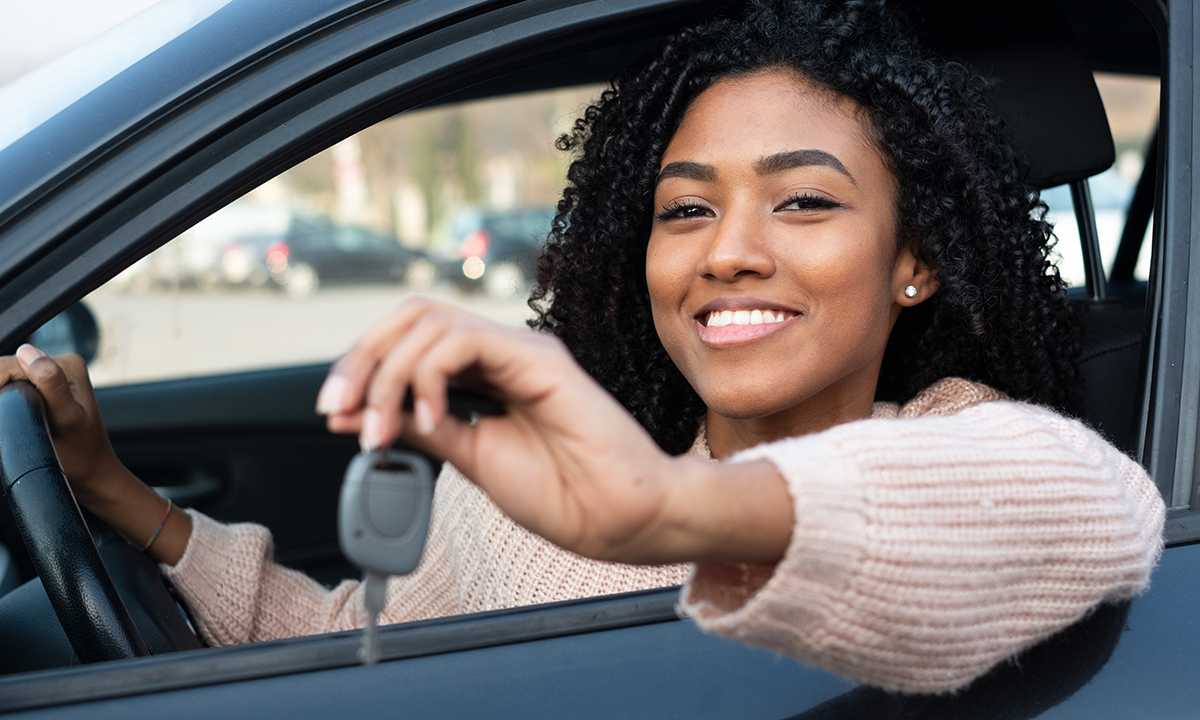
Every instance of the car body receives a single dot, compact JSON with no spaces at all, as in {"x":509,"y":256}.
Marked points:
{"x":235,"y":91}
{"x":313,"y":251}
{"x":497,"y":250}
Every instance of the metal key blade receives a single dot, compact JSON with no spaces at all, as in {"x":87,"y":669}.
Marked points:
{"x":374,"y":596}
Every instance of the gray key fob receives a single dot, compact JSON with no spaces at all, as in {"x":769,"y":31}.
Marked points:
{"x":383,"y":514}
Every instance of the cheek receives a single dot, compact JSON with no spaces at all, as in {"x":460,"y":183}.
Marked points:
{"x":668,"y":276}
{"x":848,"y":276}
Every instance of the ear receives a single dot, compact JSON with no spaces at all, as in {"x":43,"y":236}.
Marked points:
{"x":911,"y":271}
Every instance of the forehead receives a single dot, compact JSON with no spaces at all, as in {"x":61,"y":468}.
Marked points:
{"x":762,"y":113}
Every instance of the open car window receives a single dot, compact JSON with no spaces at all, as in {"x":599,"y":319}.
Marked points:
{"x":452,"y":201}
{"x":449,"y":201}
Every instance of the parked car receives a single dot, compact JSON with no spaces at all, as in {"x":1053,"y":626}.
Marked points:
{"x":113,"y":166}
{"x":317,"y":251}
{"x":199,"y":257}
{"x":498,"y":250}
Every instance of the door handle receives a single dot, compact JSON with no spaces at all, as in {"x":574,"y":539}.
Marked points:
{"x":199,"y":487}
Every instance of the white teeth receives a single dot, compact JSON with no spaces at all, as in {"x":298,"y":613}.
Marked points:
{"x":721,"y":318}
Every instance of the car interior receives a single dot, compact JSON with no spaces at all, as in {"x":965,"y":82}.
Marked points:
{"x":246,"y":446}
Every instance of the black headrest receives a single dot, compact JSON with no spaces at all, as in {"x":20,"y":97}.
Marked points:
{"x":1047,"y":97}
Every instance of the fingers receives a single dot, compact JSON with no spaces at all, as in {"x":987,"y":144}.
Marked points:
{"x":344,"y":389}
{"x":366,"y":387}
{"x":50,"y":376}
{"x":382,"y":421}
{"x":444,"y":344}
{"x":11,"y":370}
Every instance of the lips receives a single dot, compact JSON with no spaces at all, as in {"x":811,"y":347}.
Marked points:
{"x":729,"y":326}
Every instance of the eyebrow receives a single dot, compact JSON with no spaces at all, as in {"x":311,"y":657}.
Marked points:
{"x":688,"y":171}
{"x":800,"y":158}
{"x":768,"y":165}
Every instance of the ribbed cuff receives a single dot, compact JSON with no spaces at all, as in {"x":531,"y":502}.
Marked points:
{"x":808,"y":585}
{"x":218,"y":574}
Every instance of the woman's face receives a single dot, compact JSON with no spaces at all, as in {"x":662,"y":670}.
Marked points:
{"x":773,"y":265}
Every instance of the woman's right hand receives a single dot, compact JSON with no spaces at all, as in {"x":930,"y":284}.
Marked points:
{"x":72,"y":413}
{"x":98,"y":479}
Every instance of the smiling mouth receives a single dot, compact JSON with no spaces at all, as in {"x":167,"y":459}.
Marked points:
{"x":721,"y":318}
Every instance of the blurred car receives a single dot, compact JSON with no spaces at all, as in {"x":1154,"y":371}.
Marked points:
{"x":226,"y":94}
{"x":315,"y":252}
{"x":199,"y":257}
{"x":497,"y":250}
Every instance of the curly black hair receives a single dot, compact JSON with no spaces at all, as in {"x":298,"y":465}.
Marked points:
{"x":1000,"y":315}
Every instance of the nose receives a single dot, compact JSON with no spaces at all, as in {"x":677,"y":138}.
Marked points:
{"x":737,"y":248}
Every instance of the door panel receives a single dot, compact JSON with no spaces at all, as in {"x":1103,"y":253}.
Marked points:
{"x":241,"y":447}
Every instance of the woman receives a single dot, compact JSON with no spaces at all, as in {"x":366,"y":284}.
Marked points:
{"x":787,"y":241}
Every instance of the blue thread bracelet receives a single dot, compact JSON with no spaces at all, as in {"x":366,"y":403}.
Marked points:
{"x":159,"y":528}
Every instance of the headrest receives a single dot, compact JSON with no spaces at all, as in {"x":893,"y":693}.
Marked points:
{"x":1047,"y":97}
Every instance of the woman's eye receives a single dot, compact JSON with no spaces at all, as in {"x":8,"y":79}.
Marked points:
{"x":683,"y":211}
{"x":809,"y":202}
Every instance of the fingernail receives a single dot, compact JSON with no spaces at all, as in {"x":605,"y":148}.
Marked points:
{"x":424,"y":416}
{"x":332,"y":397}
{"x":371,"y":436}
{"x":28,"y":353}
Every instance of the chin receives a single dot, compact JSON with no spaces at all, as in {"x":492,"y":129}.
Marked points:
{"x":745,"y":406}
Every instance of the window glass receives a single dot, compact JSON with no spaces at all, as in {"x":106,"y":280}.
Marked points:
{"x":453,"y":201}
{"x":1131,"y":103}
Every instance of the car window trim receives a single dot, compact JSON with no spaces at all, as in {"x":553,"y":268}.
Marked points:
{"x":196,"y":668}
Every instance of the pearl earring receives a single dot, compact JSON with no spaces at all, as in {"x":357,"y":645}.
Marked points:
{"x":910,"y":291}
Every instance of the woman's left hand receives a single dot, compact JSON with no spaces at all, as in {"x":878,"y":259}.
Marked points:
{"x":566,"y":460}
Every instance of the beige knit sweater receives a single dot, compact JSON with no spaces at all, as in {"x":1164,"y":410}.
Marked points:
{"x":932,"y":542}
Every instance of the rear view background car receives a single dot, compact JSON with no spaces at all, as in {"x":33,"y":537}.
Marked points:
{"x":497,"y":250}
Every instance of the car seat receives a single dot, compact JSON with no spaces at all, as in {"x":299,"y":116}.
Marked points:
{"x":1055,"y":119}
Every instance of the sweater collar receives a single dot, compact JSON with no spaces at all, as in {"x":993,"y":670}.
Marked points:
{"x":945,"y":397}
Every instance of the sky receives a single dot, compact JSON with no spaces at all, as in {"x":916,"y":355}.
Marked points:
{"x":34,"y":32}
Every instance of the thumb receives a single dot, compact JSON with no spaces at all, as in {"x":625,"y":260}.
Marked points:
{"x":47,"y":376}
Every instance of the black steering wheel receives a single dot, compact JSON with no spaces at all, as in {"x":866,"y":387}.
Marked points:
{"x":80,"y":589}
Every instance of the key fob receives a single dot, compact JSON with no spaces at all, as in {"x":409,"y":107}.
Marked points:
{"x":384,"y":509}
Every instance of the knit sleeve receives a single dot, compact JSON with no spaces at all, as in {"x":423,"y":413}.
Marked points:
{"x":927,"y":550}
{"x":237,"y":593}
{"x":476,"y":558}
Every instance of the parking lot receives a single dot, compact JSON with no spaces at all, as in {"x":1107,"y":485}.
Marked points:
{"x":170,"y":333}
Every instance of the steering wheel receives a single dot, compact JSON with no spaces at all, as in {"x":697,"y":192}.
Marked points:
{"x":92,"y":613}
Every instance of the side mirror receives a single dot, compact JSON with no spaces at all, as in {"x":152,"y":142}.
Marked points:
{"x":74,"y":330}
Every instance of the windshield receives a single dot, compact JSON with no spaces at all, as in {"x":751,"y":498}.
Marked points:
{"x":40,"y":95}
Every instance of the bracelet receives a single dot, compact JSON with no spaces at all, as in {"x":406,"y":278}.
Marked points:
{"x":159,"y":528}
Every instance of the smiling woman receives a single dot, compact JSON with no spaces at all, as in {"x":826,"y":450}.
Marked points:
{"x":899,"y":497}
{"x":773,"y":200}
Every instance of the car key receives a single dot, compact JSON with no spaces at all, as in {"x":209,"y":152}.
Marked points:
{"x":463,"y":404}
{"x":384,"y":509}
{"x":383,"y":519}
